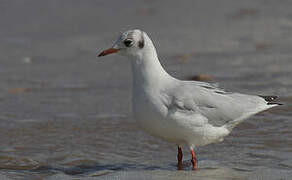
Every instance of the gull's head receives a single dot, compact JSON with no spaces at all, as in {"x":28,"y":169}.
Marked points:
{"x":130,"y":43}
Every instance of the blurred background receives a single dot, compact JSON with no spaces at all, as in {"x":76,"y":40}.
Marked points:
{"x":66,"y":114}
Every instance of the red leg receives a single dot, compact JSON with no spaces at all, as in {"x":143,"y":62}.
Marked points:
{"x":194,"y":159}
{"x":179,"y":158}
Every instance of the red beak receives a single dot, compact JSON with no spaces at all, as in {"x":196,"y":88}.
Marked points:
{"x":108,"y":51}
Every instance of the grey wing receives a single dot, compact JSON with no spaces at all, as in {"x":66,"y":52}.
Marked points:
{"x":216,"y":105}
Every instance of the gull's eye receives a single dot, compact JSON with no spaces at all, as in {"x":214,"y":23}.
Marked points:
{"x":128,"y":42}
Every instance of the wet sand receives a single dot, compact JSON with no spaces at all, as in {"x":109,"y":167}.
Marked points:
{"x":64,"y":114}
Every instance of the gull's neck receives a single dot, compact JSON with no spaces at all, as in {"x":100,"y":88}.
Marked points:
{"x":148,"y":74}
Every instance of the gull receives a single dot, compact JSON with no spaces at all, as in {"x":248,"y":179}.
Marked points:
{"x":191,"y":113}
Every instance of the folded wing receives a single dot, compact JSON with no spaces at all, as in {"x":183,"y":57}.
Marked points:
{"x":213,"y":105}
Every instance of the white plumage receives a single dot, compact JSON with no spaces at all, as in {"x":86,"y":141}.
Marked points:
{"x":183,"y":112}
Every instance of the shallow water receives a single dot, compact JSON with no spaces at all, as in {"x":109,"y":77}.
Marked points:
{"x":65,"y":114}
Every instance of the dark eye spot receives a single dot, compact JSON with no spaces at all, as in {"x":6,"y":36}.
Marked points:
{"x":128,"y":42}
{"x":141,"y":44}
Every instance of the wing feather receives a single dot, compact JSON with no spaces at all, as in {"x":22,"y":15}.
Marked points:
{"x":218,"y":107}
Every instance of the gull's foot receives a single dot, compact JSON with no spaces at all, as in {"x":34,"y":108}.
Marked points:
{"x":194,"y":160}
{"x":179,"y":158}
{"x":179,"y":166}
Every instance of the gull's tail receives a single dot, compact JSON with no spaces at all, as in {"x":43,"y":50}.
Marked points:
{"x":270,"y":102}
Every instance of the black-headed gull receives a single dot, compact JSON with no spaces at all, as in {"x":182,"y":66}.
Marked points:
{"x":183,"y":112}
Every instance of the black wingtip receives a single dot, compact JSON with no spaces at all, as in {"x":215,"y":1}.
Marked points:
{"x":270,"y":100}
{"x":274,"y":103}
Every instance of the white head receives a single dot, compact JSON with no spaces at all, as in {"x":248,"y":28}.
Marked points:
{"x":138,"y":47}
{"x":131,"y":43}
